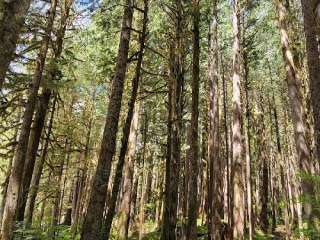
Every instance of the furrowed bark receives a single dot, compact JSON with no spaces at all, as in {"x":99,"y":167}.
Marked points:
{"x":194,"y":148}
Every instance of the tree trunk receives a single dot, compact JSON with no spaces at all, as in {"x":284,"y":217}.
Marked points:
{"x":237,"y":165}
{"x":310,"y":28}
{"x":15,"y":180}
{"x":94,"y":216}
{"x":176,"y":79}
{"x":215,"y":167}
{"x":297,"y":109}
{"x":79,"y":198}
{"x":33,"y":145}
{"x":59,"y":191}
{"x":8,"y":173}
{"x":194,"y":156}
{"x":248,"y":144}
{"x":125,"y":207}
{"x":12,"y":15}
{"x":37,"y":171}
{"x":40,"y":116}
{"x":131,"y":123}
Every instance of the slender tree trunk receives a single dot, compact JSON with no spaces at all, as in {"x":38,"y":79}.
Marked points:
{"x":12,"y":16}
{"x":37,"y":171}
{"x":8,"y":173}
{"x":59,"y":191}
{"x":159,"y":203}
{"x":215,"y":174}
{"x":78,"y":204}
{"x":264,"y":191}
{"x":128,"y":125}
{"x":176,"y":79}
{"x":144,"y":194}
{"x":248,"y":146}
{"x":297,"y":109}
{"x":194,"y":148}
{"x":33,"y":145}
{"x":226,"y":142}
{"x":237,"y":166}
{"x":280,"y":157}
{"x":15,"y":180}
{"x":125,"y":207}
{"x":40,"y":116}
{"x":94,"y":216}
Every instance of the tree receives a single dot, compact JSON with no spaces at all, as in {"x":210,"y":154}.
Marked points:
{"x":175,"y":84}
{"x":194,"y":148}
{"x":295,"y":98}
{"x":41,"y":113}
{"x":310,"y":28}
{"x":127,"y":127}
{"x":16,"y":176}
{"x":93,"y":219}
{"x":238,"y":185}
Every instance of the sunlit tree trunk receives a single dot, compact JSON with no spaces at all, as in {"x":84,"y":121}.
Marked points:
{"x":237,"y":165}
{"x":297,"y":109}
{"x":215,"y":161}
{"x":125,"y":206}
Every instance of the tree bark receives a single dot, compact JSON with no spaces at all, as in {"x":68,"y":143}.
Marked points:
{"x":194,"y":148}
{"x":40,"y":116}
{"x":297,"y":110}
{"x":215,"y":165}
{"x":16,"y":176}
{"x":130,"y":123}
{"x":238,"y":163}
{"x":248,"y":145}
{"x":312,"y":47}
{"x":176,"y":79}
{"x":12,"y":16}
{"x":94,"y":216}
{"x":37,"y":171}
{"x":125,"y":207}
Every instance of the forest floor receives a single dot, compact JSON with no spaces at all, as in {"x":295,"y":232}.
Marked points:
{"x":154,"y":234}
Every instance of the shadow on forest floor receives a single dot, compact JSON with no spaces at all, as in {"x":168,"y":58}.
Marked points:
{"x":155,"y":235}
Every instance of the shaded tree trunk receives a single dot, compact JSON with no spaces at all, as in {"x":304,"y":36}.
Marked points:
{"x":40,"y":116}
{"x":37,"y":171}
{"x":312,"y":47}
{"x":176,"y":79}
{"x":194,"y":148}
{"x":128,"y":125}
{"x":16,"y":176}
{"x":33,"y":145}
{"x":215,"y":176}
{"x":94,"y":216}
